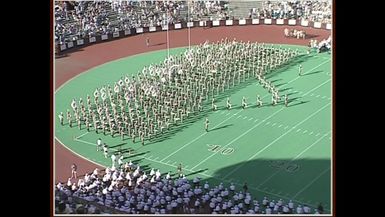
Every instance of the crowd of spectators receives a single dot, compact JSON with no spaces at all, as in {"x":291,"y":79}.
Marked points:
{"x":131,"y":190}
{"x":79,"y":19}
{"x":315,"y":10}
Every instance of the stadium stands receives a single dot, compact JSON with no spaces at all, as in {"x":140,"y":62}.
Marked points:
{"x":91,"y":18}
{"x":84,"y":19}
{"x":315,"y":11}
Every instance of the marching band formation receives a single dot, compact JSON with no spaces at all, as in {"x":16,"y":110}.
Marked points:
{"x":167,"y":93}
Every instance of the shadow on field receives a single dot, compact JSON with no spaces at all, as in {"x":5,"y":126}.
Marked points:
{"x":276,"y":179}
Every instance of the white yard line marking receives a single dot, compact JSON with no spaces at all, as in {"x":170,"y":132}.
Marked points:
{"x":308,"y":185}
{"x":298,"y":130}
{"x":316,"y":88}
{"x":260,"y":151}
{"x":239,"y":137}
{"x":81,"y":135}
{"x":244,"y":118}
{"x":266,"y":180}
{"x":308,"y":71}
{"x":273,"y":124}
{"x":280,"y":126}
{"x":286,"y":127}
{"x":197,"y":137}
{"x":304,"y":131}
{"x":250,"y":119}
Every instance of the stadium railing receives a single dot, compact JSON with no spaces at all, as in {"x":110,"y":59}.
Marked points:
{"x":215,"y":23}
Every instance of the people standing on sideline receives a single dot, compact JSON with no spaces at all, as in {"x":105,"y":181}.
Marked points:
{"x":74,"y":169}
{"x":180,"y":169}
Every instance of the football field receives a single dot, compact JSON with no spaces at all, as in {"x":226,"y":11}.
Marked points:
{"x":280,"y":152}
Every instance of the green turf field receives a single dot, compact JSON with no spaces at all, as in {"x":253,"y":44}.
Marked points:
{"x":281,"y":152}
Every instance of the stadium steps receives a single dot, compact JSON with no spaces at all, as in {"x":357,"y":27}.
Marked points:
{"x":240,"y":9}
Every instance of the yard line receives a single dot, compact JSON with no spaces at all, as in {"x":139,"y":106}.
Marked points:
{"x":197,"y":137}
{"x":307,"y":71}
{"x":235,"y":169}
{"x":256,"y":120}
{"x":79,"y":140}
{"x":250,"y":119}
{"x":308,"y":185}
{"x":286,"y":127}
{"x":156,"y":158}
{"x":323,"y":97}
{"x":239,"y":136}
{"x":293,"y":159}
{"x":273,"y":124}
{"x":280,"y":126}
{"x":227,"y":114}
{"x":244,"y":117}
{"x":298,"y":130}
{"x":81,"y":135}
{"x":316,"y":87}
{"x":305,"y":131}
{"x":311,"y":133}
{"x":312,"y":94}
{"x":317,"y":134}
{"x":318,"y":95}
